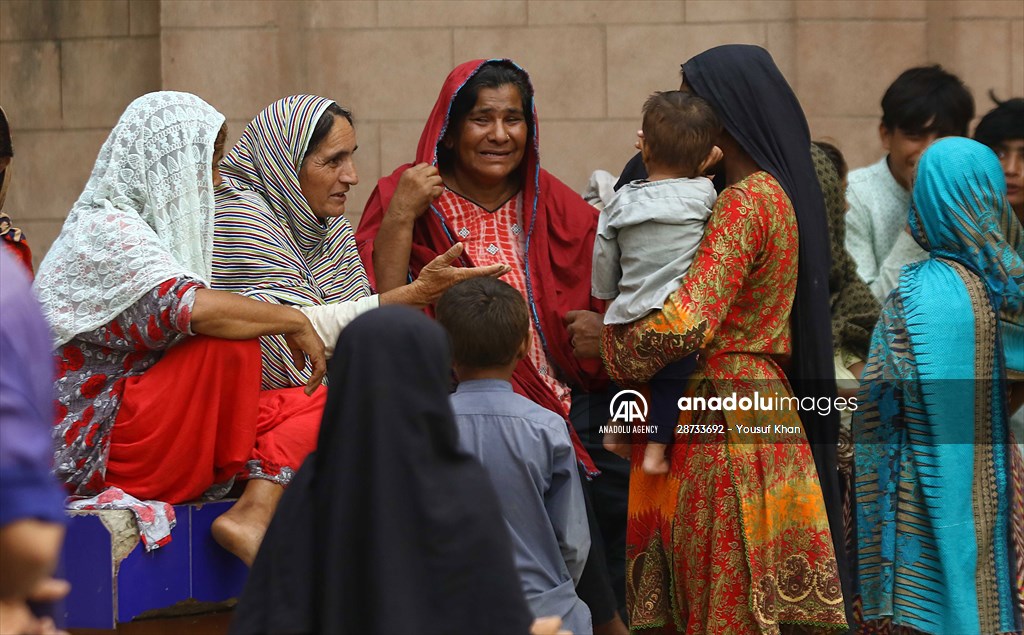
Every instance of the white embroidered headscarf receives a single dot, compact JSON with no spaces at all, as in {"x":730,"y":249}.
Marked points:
{"x":146,"y":215}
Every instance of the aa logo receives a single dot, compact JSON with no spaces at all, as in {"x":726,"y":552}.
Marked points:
{"x":628,"y":406}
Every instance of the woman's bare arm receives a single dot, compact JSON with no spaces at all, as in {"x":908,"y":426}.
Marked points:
{"x":235,"y":317}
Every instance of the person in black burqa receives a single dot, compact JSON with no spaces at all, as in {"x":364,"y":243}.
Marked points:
{"x":388,"y":527}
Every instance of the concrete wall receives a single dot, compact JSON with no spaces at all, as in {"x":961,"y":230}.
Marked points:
{"x":69,"y":67}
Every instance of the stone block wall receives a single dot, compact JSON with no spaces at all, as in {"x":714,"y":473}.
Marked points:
{"x":68,"y":68}
{"x":67,"y":71}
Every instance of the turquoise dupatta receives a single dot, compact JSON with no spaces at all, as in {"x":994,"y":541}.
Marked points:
{"x":939,"y":510}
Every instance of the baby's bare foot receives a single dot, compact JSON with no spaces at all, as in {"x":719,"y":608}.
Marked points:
{"x":655,"y":460}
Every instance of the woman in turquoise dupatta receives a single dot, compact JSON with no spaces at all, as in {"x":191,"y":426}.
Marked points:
{"x":938,"y":475}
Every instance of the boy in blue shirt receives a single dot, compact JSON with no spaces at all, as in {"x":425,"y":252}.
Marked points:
{"x":525,"y":448}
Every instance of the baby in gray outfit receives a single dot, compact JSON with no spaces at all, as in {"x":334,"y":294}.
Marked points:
{"x":647,"y":237}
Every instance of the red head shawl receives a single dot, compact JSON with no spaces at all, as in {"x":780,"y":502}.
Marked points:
{"x":559,"y":246}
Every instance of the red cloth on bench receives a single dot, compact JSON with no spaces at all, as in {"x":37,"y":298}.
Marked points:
{"x":198,"y":418}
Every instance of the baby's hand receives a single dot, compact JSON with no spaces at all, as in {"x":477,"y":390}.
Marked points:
{"x":711,"y":160}
{"x":639,"y":139}
{"x":617,"y":443}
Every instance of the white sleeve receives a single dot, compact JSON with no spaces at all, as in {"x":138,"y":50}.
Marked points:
{"x":887,"y":280}
{"x":859,"y":238}
{"x":330,"y":319}
{"x":904,"y":252}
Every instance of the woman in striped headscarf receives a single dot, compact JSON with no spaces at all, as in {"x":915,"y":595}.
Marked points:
{"x":281,"y":235}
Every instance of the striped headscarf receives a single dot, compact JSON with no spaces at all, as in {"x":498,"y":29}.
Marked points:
{"x":960,"y":212}
{"x":268,"y":243}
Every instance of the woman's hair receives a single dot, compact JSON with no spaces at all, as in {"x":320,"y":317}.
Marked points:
{"x":680,"y":129}
{"x":222,"y":137}
{"x":6,"y":148}
{"x":324,"y":125}
{"x":493,"y":74}
{"x":835,"y":156}
{"x":1005,"y":121}
{"x":487,"y":321}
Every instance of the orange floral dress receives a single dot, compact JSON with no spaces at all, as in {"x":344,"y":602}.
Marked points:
{"x":735,"y":538}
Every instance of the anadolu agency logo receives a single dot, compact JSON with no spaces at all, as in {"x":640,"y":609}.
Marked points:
{"x":628,"y":406}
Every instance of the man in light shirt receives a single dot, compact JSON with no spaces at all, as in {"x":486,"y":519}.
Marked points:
{"x":923,"y":104}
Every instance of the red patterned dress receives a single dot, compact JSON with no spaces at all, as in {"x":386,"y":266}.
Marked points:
{"x":497,"y":237}
{"x":146,"y":406}
{"x":735,"y":539}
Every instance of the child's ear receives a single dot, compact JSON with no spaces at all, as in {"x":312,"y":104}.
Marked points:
{"x":524,"y":348}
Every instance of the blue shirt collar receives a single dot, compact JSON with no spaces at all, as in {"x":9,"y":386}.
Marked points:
{"x":484,"y":385}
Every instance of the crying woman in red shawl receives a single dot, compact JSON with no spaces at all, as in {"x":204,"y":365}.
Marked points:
{"x":477,"y":180}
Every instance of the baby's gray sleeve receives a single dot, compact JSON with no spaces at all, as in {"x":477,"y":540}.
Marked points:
{"x":605,"y":268}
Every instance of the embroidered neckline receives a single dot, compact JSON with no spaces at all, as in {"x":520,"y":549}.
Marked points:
{"x":489,"y":211}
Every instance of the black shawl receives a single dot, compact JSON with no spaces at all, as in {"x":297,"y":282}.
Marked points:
{"x":758,"y":108}
{"x":388,"y":527}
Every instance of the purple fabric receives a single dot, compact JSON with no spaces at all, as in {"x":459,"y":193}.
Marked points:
{"x":27,"y":488}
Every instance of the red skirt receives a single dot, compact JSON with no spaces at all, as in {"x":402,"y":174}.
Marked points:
{"x":198,"y":418}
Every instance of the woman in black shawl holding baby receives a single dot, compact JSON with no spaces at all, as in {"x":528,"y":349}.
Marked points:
{"x":784,"y":573}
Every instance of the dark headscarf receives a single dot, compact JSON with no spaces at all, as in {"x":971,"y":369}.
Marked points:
{"x":854,"y":308}
{"x":388,"y":527}
{"x":758,"y":108}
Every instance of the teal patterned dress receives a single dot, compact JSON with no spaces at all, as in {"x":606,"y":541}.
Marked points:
{"x":940,"y":533}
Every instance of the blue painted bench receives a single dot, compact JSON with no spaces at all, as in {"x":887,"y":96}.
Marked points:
{"x":113,"y":579}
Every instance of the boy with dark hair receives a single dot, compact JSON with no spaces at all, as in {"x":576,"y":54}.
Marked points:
{"x":923,"y":104}
{"x":525,"y":448}
{"x":647,"y":237}
{"x":1002,"y":129}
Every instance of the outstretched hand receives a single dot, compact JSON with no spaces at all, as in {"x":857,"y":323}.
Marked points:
{"x":439,"y":275}
{"x":306,"y":343}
